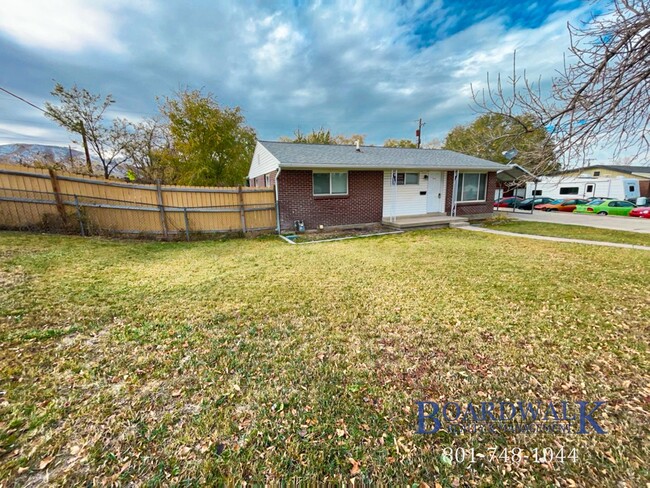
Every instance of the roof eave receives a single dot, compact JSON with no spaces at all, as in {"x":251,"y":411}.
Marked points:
{"x":384,"y":168}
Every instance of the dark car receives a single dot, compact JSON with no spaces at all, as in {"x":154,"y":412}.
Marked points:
{"x":506,"y":202}
{"x":528,"y":203}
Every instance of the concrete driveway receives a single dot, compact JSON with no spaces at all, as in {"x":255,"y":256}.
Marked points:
{"x":631,"y":224}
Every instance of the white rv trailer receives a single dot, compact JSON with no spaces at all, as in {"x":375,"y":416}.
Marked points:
{"x":620,"y":188}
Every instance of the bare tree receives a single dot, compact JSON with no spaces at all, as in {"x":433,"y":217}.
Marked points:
{"x":82,"y":112}
{"x":600,"y":99}
{"x":147,"y":150}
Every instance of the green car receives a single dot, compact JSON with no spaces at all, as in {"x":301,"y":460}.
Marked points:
{"x":606,"y":207}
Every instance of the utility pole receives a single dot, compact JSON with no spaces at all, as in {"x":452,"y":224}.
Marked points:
{"x":418,"y":131}
{"x":82,"y":130}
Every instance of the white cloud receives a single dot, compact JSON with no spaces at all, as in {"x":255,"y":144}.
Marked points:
{"x":68,"y":26}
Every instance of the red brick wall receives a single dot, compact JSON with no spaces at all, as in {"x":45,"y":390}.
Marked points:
{"x":472,"y":208}
{"x":258,"y":181}
{"x":362,"y":205}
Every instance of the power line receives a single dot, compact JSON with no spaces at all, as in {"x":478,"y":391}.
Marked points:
{"x":22,"y":99}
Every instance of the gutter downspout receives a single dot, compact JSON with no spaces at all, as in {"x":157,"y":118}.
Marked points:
{"x":277,"y":200}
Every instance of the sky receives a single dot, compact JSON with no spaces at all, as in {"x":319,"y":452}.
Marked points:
{"x":365,"y":67}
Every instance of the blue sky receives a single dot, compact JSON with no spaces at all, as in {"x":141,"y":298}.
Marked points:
{"x":366,"y":67}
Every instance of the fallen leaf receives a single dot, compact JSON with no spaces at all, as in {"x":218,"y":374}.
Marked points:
{"x":74,"y":450}
{"x":45,"y":462}
{"x":355,"y":470}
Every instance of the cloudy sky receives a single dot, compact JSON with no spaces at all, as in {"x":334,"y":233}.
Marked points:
{"x":369,"y":67}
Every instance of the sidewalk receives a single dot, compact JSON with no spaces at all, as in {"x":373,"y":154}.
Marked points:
{"x":629,"y":224}
{"x":556,"y":239}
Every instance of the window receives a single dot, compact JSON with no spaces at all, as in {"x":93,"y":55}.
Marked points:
{"x":408,"y":178}
{"x":569,"y":190}
{"x":471,"y":187}
{"x":537,"y":193}
{"x":631,"y":188}
{"x":267,"y":180}
{"x":596,"y":173}
{"x":330,"y":183}
{"x":252,"y":182}
{"x":590,"y":188}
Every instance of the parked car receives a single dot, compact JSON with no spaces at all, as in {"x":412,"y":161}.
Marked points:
{"x":606,"y":207}
{"x":643,"y":212}
{"x":640,"y":201}
{"x":507,"y":202}
{"x":528,"y":203}
{"x":562,"y":205}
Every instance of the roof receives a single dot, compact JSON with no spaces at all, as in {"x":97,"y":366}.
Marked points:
{"x":612,"y":167}
{"x":291,"y":155}
{"x":514,"y":172}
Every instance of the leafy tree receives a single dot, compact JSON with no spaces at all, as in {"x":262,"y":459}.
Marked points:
{"x":400,"y":143}
{"x":490,"y":135}
{"x":323,"y":136}
{"x":82,"y":113}
{"x":602,"y":96}
{"x":351,"y":140}
{"x":209,"y":144}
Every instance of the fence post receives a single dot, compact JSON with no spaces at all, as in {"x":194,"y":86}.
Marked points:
{"x":79,"y":216}
{"x":161,"y":207}
{"x":242,"y":210}
{"x":187,"y":225}
{"x":57,"y":197}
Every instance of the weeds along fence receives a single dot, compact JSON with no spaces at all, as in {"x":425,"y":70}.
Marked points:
{"x":42,"y":199}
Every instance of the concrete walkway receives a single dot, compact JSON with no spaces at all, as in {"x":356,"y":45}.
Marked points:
{"x":556,"y":239}
{"x":631,"y":224}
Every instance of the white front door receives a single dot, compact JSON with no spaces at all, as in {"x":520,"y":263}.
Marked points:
{"x":435,"y":193}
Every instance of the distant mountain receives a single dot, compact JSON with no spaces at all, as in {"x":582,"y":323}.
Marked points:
{"x":36,"y":153}
{"x":40,"y":155}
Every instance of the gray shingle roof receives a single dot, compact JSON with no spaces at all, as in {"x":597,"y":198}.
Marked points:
{"x":371,"y":157}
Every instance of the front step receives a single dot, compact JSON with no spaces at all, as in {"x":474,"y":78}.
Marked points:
{"x":426,"y":222}
{"x":454,"y":225}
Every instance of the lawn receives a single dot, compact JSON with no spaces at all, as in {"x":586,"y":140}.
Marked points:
{"x":573,"y":232}
{"x":251,"y":359}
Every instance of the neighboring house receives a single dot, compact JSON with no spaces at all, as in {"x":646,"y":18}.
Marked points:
{"x":641,"y":173}
{"x":332,"y":185}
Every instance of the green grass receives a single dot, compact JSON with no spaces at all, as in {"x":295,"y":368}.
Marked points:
{"x":572,"y":232}
{"x":212,"y":362}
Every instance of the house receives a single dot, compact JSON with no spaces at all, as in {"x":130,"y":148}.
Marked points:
{"x":641,"y":173}
{"x":335,"y":186}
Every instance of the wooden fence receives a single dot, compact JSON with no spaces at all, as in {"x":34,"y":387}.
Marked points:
{"x":32,"y":198}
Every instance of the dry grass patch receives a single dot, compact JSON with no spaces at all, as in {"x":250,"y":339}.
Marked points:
{"x":209,"y":362}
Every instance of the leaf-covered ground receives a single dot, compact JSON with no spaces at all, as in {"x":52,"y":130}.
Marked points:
{"x":572,"y":231}
{"x":251,"y":359}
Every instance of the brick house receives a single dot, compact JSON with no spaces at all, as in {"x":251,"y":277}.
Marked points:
{"x":334,"y":186}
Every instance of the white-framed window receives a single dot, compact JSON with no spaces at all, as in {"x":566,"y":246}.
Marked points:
{"x":267,"y":180}
{"x":471,"y":187}
{"x":408,"y":178}
{"x":330,"y":183}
